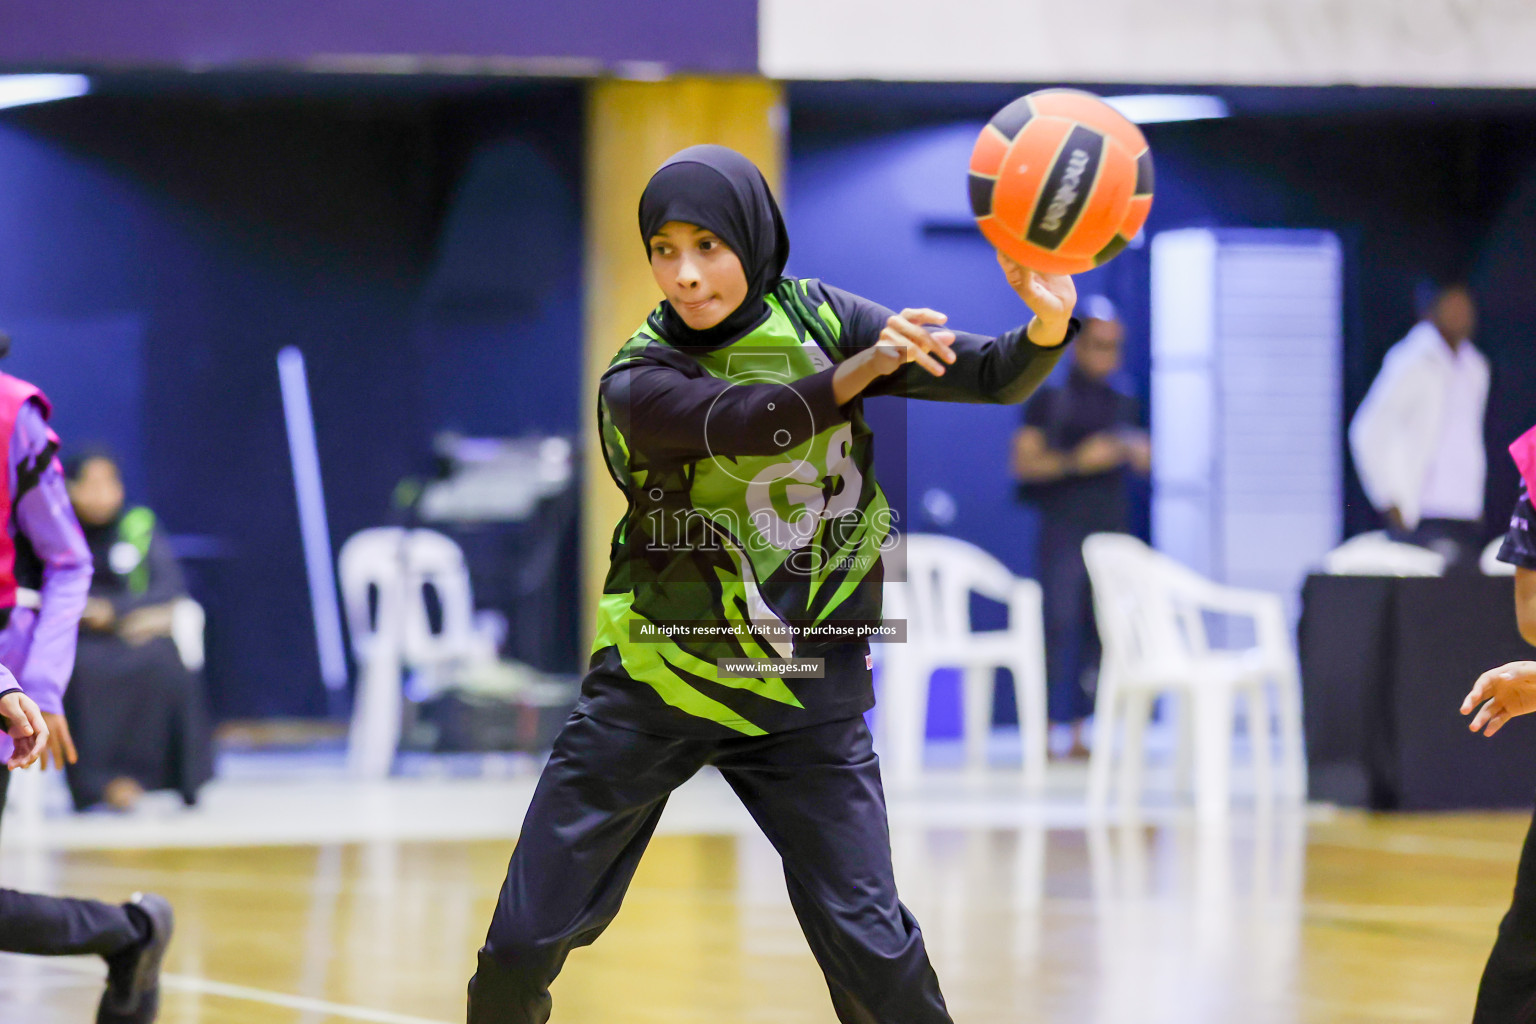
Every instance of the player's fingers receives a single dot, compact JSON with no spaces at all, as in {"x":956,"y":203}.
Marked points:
{"x":1042,"y":292}
{"x":943,"y":345}
{"x":1495,"y":724}
{"x":906,"y":344}
{"x":1484,"y":713}
{"x":26,"y":754}
{"x":928,"y":363}
{"x":901,"y":327}
{"x":924,"y":315}
{"x":37,"y":724}
{"x":913,"y":353}
{"x":1480,"y":691}
{"x":67,"y":747}
{"x":1474,"y":697}
{"x":937,"y":342}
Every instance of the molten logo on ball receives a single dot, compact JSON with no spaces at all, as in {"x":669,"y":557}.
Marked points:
{"x":1067,"y":192}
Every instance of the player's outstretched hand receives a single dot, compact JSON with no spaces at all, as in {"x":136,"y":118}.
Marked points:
{"x":905,"y":341}
{"x":61,"y":745}
{"x":1500,"y":694}
{"x":1051,"y":297}
{"x":25,"y":725}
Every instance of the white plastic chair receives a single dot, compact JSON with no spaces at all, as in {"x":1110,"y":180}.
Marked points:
{"x":1150,"y":612}
{"x":463,"y":636}
{"x":385,"y":574}
{"x":188,"y":624}
{"x":941,"y":574}
{"x":1489,"y":560}
{"x":372,"y":579}
{"x":1375,"y":554}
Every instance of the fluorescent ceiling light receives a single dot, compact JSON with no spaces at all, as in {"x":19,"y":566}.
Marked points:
{"x":1156,"y":108}
{"x":19,"y":90}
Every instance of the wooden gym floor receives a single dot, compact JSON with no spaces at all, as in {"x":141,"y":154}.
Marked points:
{"x":1344,"y":918}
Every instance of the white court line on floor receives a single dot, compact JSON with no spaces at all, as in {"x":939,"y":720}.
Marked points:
{"x":304,"y":1004}
{"x":202,"y":986}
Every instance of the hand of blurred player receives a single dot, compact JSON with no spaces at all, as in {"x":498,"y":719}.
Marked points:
{"x":905,"y":341}
{"x":1098,"y":453}
{"x":1503,"y":693}
{"x":142,"y":625}
{"x":98,"y":615}
{"x":1138,"y":451}
{"x":1051,"y":297}
{"x":60,"y":746}
{"x":26,"y":727}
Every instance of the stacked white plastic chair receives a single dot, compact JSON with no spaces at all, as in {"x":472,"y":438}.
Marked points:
{"x":1376,"y":554}
{"x":385,"y":576}
{"x":1489,"y":562}
{"x":1151,"y":616}
{"x":935,"y":600}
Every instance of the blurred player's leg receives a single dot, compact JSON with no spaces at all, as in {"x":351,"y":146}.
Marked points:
{"x":592,"y":816}
{"x":1507,"y":994}
{"x":817,"y":795}
{"x":57,"y":926}
{"x":131,"y":937}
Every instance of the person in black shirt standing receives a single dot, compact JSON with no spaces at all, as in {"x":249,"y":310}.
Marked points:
{"x":1071,"y":457}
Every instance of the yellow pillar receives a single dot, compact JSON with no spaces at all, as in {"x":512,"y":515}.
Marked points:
{"x":631,"y":128}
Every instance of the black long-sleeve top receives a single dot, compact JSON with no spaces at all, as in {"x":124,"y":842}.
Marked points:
{"x":665,"y":408}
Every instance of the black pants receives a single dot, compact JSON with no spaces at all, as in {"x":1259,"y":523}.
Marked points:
{"x":815,"y":793}
{"x":1507,"y":994}
{"x":1071,"y":633}
{"x":55,"y":926}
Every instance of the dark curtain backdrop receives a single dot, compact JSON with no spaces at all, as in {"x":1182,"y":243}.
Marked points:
{"x":422,"y":251}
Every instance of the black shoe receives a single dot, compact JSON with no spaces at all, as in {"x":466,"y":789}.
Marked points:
{"x":133,"y":976}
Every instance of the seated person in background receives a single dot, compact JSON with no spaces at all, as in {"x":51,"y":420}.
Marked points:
{"x":1417,"y":438}
{"x":136,"y":710}
{"x":1072,"y":456}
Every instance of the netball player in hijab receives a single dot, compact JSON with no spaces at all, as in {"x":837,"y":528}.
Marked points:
{"x":745,"y":578}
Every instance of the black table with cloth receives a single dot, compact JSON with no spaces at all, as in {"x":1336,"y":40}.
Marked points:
{"x":1385,"y":663}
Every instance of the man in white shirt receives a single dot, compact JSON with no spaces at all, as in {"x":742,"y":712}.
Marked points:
{"x":1417,"y":438}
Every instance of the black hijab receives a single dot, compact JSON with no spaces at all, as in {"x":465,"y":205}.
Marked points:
{"x":719,"y":189}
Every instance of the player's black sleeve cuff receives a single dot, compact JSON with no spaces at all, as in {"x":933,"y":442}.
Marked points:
{"x":1513,"y":555}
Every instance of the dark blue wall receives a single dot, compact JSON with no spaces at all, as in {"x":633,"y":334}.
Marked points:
{"x":423,"y":254}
